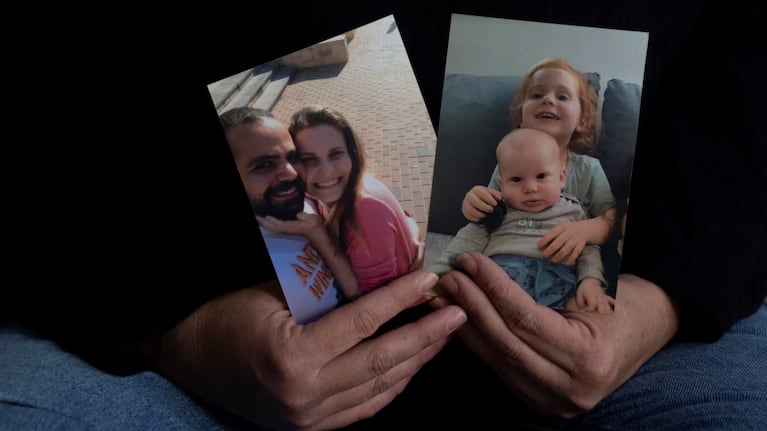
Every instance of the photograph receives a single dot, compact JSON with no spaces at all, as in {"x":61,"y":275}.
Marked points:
{"x":335,"y":149}
{"x":541,"y":120}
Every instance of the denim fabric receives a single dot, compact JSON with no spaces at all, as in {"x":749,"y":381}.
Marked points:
{"x":45,"y":388}
{"x":550,"y":284}
{"x":685,"y":386}
{"x":716,"y":386}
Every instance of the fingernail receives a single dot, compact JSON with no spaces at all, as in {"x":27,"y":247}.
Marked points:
{"x":456,"y":320}
{"x":427,"y":282}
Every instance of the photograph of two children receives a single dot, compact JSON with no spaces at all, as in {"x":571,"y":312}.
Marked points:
{"x":353,"y":187}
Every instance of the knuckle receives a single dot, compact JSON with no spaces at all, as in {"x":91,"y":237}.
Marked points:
{"x":582,"y":402}
{"x":302,"y":422}
{"x":510,"y":352}
{"x":430,"y":337}
{"x":286,"y":372}
{"x":365,"y":321}
{"x":293,"y":388}
{"x":380,"y":384}
{"x":579,"y":399}
{"x":598,"y":369}
{"x":382,"y":360}
{"x":589,"y":390}
{"x":524,"y":321}
{"x":296,"y":405}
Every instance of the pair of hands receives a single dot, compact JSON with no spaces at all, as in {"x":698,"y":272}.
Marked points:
{"x":245,"y":353}
{"x":564,"y":363}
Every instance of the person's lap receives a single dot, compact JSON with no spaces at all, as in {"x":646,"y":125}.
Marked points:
{"x":684,"y":386}
{"x":700,"y":386}
{"x":722,"y":385}
{"x":45,"y":387}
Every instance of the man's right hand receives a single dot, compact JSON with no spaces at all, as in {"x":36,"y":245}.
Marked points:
{"x":479,"y":202}
{"x":245,"y":353}
{"x":560,"y":364}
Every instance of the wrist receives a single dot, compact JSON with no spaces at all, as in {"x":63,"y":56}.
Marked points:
{"x":590,"y":283}
{"x":648,"y":305}
{"x":318,"y":237}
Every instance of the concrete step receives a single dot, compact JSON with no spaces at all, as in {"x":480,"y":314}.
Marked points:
{"x":272,"y":91}
{"x":259,"y":87}
{"x":222,"y":91}
{"x":251,"y":87}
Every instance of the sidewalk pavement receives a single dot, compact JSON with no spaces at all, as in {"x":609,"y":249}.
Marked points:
{"x":378,"y":94}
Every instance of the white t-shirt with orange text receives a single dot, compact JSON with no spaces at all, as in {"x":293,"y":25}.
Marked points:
{"x":305,"y":278}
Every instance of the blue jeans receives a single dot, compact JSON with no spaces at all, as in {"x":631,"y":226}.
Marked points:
{"x":684,"y":386}
{"x":717,"y":386}
{"x":43,"y":387}
{"x":549,"y":283}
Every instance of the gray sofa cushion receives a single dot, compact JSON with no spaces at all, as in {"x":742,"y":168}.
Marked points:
{"x":620,"y":121}
{"x":473,"y":118}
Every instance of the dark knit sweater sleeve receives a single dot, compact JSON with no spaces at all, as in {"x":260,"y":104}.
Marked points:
{"x":147,"y":224}
{"x":697,"y":217}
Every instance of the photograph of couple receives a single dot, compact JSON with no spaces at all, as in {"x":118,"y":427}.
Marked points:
{"x":338,"y":169}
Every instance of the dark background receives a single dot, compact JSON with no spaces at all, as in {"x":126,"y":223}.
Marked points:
{"x":115,"y":161}
{"x":112,"y":111}
{"x":142,"y":131}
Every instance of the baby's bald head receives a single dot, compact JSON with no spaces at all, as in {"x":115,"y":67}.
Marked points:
{"x":541,"y":144}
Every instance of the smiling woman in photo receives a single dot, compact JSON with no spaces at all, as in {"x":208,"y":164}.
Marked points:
{"x":381,"y":241}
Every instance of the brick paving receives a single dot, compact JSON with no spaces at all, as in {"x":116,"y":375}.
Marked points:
{"x":377,"y":92}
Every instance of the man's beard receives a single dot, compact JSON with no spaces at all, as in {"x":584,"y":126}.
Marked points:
{"x":285,"y":210}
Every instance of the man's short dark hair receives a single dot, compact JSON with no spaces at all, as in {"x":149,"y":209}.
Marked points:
{"x":242,"y":115}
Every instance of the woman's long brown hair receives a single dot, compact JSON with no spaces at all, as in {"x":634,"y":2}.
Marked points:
{"x":343,"y":212}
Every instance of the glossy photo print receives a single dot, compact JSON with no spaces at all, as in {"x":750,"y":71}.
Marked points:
{"x":335,"y":150}
{"x":536,"y":138}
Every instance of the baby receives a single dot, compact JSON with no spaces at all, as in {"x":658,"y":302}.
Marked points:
{"x":531,"y":177}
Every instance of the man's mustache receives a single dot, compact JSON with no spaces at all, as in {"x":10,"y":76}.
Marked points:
{"x":284,"y":187}
{"x":282,"y":209}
